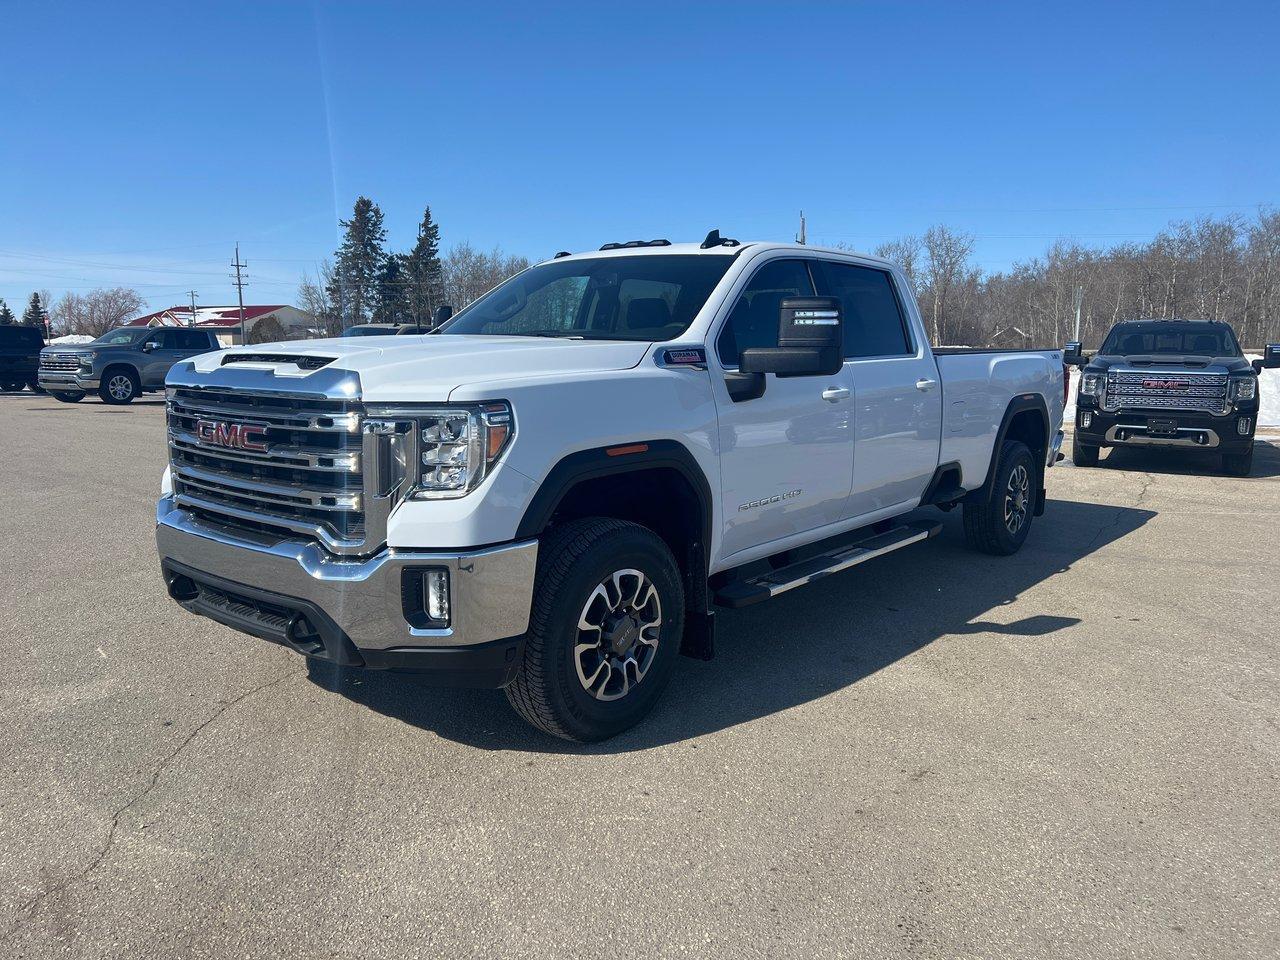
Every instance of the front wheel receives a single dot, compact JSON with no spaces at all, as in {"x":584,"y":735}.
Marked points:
{"x":999,"y":523}
{"x":13,"y":385}
{"x":604,"y":632}
{"x":1084,"y":454}
{"x":1238,"y":464}
{"x":35,"y":386}
{"x":67,"y":396}
{"x":119,"y":386}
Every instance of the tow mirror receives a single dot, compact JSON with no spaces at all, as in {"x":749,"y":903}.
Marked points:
{"x":1072,"y":356}
{"x":441,"y":314}
{"x":1270,"y":358}
{"x":810,"y":340}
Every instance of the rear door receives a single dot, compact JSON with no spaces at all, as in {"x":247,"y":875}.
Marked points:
{"x":897,"y":416}
{"x":786,"y":457}
{"x":174,"y":345}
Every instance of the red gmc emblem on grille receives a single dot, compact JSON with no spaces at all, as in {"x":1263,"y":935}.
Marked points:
{"x":238,"y":436}
{"x":1165,"y":384}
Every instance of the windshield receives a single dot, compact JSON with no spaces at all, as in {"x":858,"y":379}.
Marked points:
{"x":1175,"y":338}
{"x":648,"y":298}
{"x":122,"y":335}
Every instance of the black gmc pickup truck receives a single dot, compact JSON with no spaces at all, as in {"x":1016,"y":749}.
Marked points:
{"x":1169,"y":383}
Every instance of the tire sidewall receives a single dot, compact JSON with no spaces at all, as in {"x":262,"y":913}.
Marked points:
{"x":105,"y":391}
{"x":635,"y":549}
{"x":1017,"y":454}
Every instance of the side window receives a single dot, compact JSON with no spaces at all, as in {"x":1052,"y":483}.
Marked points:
{"x":754,"y":320}
{"x":873,"y":322}
{"x":191,"y":339}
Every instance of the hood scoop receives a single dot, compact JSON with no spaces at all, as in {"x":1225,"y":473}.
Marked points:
{"x":302,"y":361}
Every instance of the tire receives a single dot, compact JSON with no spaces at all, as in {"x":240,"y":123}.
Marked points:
{"x":13,"y":385}
{"x":564,"y":685}
{"x":35,"y":386}
{"x":66,"y":396}
{"x":1084,"y":454}
{"x":119,"y":385}
{"x":989,"y":525}
{"x":1238,"y":464}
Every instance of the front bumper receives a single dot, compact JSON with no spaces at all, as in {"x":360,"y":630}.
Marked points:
{"x":1193,"y":430}
{"x":353,"y":612}
{"x":66,"y":382}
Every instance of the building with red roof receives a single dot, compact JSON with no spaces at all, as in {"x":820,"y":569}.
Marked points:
{"x":292,"y":323}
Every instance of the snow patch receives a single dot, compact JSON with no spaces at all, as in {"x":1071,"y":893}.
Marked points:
{"x":71,"y":339}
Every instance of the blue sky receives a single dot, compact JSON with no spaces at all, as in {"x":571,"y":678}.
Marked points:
{"x":141,"y":141}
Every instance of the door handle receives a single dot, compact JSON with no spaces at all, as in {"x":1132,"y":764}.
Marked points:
{"x":835,"y":394}
{"x":924,"y":383}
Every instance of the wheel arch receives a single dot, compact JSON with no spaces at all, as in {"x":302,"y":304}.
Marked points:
{"x":1026,"y":419}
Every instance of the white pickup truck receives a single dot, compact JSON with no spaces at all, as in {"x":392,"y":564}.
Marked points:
{"x":554,"y":491}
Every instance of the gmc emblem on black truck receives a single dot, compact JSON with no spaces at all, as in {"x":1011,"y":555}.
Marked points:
{"x":1165,"y":384}
{"x":237,"y":436}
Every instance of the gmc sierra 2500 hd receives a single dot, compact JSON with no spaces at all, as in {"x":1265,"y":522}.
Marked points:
{"x":1169,"y":383}
{"x":552,"y":492}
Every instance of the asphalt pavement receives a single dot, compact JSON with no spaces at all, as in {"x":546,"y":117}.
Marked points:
{"x":1072,"y":752}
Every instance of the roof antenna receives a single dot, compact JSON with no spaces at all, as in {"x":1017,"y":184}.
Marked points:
{"x":800,"y":237}
{"x":713,"y":240}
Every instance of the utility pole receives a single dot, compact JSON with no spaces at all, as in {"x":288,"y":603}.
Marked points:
{"x":192,"y":321}
{"x":800,"y":237}
{"x":1079,"y":299}
{"x":240,"y":291}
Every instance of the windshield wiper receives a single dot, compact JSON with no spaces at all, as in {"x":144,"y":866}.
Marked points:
{"x":557,"y":334}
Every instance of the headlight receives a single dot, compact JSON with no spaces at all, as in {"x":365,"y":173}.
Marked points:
{"x":1243,"y":388}
{"x":458,"y":446}
{"x":1093,"y":384}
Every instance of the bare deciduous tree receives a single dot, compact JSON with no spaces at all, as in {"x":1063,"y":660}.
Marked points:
{"x":97,"y":311}
{"x":469,"y":273}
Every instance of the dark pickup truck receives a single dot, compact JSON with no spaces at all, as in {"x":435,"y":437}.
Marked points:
{"x":1169,"y":383}
{"x":20,"y":347}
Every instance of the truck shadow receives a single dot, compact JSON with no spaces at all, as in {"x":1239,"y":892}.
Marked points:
{"x":1266,"y":461}
{"x":797,"y":648}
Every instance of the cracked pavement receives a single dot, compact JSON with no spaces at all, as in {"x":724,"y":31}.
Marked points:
{"x":1072,"y":752}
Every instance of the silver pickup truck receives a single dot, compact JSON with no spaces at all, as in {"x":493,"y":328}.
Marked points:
{"x":121,"y":364}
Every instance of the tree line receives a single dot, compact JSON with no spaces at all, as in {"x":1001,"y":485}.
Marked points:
{"x":35,"y":315}
{"x":366,"y":283}
{"x":1223,"y":268}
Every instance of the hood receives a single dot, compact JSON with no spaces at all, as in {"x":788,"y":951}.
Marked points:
{"x":430,"y":368}
{"x":1172,"y":363}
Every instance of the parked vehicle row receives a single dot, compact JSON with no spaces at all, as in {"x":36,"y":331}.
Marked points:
{"x":1169,"y":383}
{"x":555,"y":491}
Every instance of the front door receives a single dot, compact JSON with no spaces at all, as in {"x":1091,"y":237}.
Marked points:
{"x":896,"y":389}
{"x":786,"y":457}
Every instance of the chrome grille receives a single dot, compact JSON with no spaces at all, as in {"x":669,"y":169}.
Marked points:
{"x":1204,"y":392}
{"x":62,"y":362}
{"x":310,"y":479}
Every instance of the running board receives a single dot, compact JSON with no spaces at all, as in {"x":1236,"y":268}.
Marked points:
{"x":743,"y":593}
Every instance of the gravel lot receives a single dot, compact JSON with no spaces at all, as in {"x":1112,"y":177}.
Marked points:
{"x":1070,"y":753}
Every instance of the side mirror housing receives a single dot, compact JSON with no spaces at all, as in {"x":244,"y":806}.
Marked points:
{"x":1270,"y":358}
{"x":441,"y":314}
{"x":1072,"y":355}
{"x":148,"y":346}
{"x":810,"y":340}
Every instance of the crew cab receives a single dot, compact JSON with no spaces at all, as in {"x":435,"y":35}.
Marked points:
{"x":121,"y":364}
{"x":1178,"y":384}
{"x":553,"y":492}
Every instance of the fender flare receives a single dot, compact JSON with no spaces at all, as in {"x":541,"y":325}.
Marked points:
{"x":1019,"y":404}
{"x":615,"y":460}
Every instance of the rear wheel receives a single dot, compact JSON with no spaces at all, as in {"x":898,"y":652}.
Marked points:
{"x":1084,"y":454}
{"x":67,"y":396}
{"x":1238,"y":464}
{"x":119,"y":385}
{"x":1000,"y":522}
{"x":604,"y":632}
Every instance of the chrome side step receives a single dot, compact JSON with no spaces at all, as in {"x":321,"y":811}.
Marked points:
{"x":743,"y":593}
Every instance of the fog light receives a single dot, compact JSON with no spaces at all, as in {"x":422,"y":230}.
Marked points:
{"x":435,"y":589}
{"x":1242,"y":426}
{"x":1086,"y":419}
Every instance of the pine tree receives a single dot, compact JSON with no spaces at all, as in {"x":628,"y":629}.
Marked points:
{"x":6,"y":315}
{"x":360,"y":262}
{"x":393,"y":292}
{"x":36,"y":315}
{"x":425,"y":273}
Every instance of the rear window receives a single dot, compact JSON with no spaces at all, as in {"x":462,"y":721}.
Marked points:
{"x":1176,"y":339}
{"x":873,"y":321}
{"x":12,"y":335}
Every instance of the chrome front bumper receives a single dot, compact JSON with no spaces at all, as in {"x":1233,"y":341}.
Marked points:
{"x":491,"y":588}
{"x":65,"y":381}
